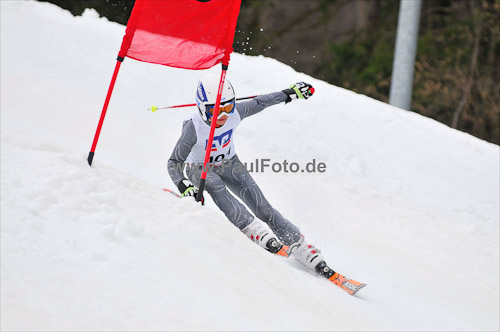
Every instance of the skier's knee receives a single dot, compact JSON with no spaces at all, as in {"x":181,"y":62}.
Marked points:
{"x":214,"y":183}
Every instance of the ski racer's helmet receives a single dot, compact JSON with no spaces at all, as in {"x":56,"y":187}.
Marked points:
{"x":206,"y":95}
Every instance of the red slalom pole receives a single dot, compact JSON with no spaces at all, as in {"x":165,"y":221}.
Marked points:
{"x":208,"y":148}
{"x":119,"y":61}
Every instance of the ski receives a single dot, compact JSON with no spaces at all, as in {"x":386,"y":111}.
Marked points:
{"x":349,"y":285}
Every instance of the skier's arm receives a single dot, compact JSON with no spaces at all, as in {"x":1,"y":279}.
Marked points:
{"x":257,"y":104}
{"x":181,"y":151}
{"x":299,"y":90}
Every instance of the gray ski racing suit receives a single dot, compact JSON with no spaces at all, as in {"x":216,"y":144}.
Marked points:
{"x":227,"y":171}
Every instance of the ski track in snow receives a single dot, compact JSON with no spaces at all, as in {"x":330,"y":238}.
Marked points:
{"x":407,"y":205}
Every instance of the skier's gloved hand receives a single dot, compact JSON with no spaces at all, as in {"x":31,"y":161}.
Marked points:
{"x":300,"y":90}
{"x":186,"y":188}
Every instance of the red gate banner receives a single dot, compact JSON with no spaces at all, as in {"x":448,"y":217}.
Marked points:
{"x":188,"y":34}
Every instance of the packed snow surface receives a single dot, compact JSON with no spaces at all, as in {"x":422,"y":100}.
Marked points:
{"x":406,"y":204}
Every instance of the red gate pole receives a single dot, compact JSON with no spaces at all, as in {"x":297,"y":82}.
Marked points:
{"x":208,"y":148}
{"x":119,"y":61}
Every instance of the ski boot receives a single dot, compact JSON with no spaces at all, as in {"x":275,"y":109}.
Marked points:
{"x":260,"y":233}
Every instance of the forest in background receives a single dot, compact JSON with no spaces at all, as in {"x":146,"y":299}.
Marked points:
{"x":350,"y":43}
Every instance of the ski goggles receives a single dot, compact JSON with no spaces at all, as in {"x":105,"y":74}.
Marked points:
{"x":224,"y":109}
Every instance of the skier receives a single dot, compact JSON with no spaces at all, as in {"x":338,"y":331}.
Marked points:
{"x":227,"y":174}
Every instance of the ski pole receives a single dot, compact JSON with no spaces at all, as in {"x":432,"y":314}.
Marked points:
{"x":155,"y":108}
{"x":172,"y":192}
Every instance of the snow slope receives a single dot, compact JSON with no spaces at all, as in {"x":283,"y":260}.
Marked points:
{"x":407,"y":205}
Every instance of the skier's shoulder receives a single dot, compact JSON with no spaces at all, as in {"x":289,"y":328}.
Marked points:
{"x":189,"y":131}
{"x":188,"y":123}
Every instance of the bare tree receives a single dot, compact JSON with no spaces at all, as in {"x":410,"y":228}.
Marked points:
{"x":470,"y":81}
